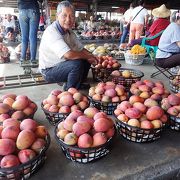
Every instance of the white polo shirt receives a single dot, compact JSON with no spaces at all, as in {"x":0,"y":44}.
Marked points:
{"x":54,"y":45}
{"x":10,"y":23}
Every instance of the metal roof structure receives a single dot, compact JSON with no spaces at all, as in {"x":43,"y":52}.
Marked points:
{"x":104,"y":5}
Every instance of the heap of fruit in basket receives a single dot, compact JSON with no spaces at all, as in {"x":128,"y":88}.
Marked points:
{"x":124,"y":74}
{"x":90,"y":47}
{"x":102,"y":50}
{"x":16,"y":106}
{"x":101,"y":33}
{"x":108,"y":92}
{"x":117,"y":53}
{"x":4,"y":54}
{"x":89,"y":129}
{"x":141,"y":113}
{"x":107,"y":62}
{"x":171,"y":104}
{"x":176,"y":81}
{"x":66,"y":101}
{"x":20,"y":141}
{"x":137,"y":49}
{"x":149,"y":89}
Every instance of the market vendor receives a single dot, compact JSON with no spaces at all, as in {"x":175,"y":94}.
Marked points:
{"x":168,"y":53}
{"x":162,"y":15}
{"x":62,"y":57}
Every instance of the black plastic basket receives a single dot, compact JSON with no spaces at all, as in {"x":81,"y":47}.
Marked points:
{"x":102,"y":75}
{"x":174,"y":83}
{"x":136,"y":134}
{"x":127,"y":82}
{"x":25,"y":170}
{"x":84,"y":155}
{"x":108,"y":108}
{"x":54,"y":118}
{"x":174,"y":123}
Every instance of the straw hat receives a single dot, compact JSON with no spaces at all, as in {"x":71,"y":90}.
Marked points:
{"x":161,"y":12}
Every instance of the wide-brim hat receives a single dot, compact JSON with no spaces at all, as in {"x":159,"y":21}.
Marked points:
{"x":161,"y":12}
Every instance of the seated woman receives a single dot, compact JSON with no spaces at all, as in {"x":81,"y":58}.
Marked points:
{"x":162,"y":15}
{"x":168,"y":53}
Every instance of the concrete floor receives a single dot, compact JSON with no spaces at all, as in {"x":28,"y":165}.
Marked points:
{"x":127,"y":160}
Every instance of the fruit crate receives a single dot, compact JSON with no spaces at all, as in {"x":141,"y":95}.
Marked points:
{"x":25,"y":170}
{"x":53,"y":117}
{"x":102,"y":74}
{"x":107,"y":107}
{"x":174,"y":82}
{"x":136,"y":134}
{"x":127,"y":82}
{"x":84,"y":155}
{"x":134,"y":59}
{"x":174,"y":123}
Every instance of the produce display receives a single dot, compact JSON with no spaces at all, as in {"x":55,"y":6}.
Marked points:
{"x":16,"y":106}
{"x":4,"y":54}
{"x":137,"y":49}
{"x":149,"y":89}
{"x":105,"y":65}
{"x":106,"y":96}
{"x":106,"y":49}
{"x":126,"y":76}
{"x":108,"y":92}
{"x":141,"y":113}
{"x":135,"y":56}
{"x":175,"y":83}
{"x":22,"y":147}
{"x":100,"y":34}
{"x":124,"y":73}
{"x":85,"y":132}
{"x":66,"y":101}
{"x":59,"y":104}
{"x":171,"y":105}
{"x":100,"y":51}
{"x":140,"y":120}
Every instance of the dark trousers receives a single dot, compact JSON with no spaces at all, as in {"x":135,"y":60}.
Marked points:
{"x":73,"y":72}
{"x":169,"y":62}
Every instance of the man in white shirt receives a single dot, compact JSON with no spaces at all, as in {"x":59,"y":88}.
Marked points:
{"x":62,"y":57}
{"x":9,"y":24}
